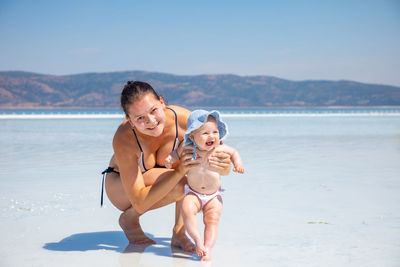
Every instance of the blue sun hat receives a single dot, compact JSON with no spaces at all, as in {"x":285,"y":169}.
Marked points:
{"x":196,"y":119}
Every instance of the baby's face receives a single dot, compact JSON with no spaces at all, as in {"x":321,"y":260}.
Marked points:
{"x":207,"y":136}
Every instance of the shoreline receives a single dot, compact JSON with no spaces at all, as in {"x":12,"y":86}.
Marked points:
{"x":237,"y":113}
{"x":75,"y":108}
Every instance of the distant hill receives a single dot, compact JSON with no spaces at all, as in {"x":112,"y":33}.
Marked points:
{"x":102,"y":91}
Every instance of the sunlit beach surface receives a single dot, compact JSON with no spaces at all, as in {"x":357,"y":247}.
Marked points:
{"x":319,"y":190}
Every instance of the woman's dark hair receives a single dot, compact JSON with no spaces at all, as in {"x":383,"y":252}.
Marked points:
{"x":132,"y":91}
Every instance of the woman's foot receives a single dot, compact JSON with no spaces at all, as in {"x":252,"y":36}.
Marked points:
{"x":129,"y":222}
{"x":180,"y":240}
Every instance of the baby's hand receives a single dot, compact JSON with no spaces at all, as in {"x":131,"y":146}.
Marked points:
{"x":238,"y":168}
{"x":169,"y":161}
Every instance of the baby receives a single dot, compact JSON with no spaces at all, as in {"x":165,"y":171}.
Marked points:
{"x":205,"y":130}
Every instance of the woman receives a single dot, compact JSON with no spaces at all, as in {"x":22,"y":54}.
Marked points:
{"x":137,"y":180}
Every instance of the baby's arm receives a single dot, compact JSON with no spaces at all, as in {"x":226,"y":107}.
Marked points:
{"x":235,"y":157}
{"x":173,"y":157}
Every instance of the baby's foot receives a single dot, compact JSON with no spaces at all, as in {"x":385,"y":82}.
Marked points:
{"x":206,"y":256}
{"x":200,"y":249}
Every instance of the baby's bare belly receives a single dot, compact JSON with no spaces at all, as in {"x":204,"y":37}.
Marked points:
{"x":204,"y":180}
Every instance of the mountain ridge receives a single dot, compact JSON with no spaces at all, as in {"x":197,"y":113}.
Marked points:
{"x":95,"y":90}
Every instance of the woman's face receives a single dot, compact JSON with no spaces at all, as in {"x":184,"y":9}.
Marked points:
{"x":147,"y":115}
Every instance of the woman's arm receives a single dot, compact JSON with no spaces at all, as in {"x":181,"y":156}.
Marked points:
{"x":234,"y":156}
{"x":143,"y":197}
{"x":221,"y":161}
{"x":173,"y":157}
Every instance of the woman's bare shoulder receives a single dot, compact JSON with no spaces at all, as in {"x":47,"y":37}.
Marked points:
{"x":179,"y":109}
{"x":125,"y":149}
{"x":183,"y":115}
{"x":122,"y":135}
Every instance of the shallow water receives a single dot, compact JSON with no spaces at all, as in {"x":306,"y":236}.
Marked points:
{"x":318,"y":191}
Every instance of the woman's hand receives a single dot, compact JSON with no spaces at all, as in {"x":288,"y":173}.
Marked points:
{"x":221,"y":161}
{"x":186,"y":162}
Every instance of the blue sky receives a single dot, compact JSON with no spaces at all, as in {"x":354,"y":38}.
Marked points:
{"x":295,"y":40}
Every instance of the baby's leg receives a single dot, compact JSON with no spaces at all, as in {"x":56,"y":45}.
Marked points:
{"x":211,"y":213}
{"x":190,"y":207}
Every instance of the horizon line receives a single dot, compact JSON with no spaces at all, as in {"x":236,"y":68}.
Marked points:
{"x":277,"y":113}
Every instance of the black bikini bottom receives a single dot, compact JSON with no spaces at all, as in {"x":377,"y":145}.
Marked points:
{"x":108,"y":170}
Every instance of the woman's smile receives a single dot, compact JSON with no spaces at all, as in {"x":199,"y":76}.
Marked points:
{"x":153,"y":126}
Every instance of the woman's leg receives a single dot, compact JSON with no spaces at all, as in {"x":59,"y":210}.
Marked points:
{"x":179,"y":238}
{"x":119,"y":199}
{"x":129,"y":219}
